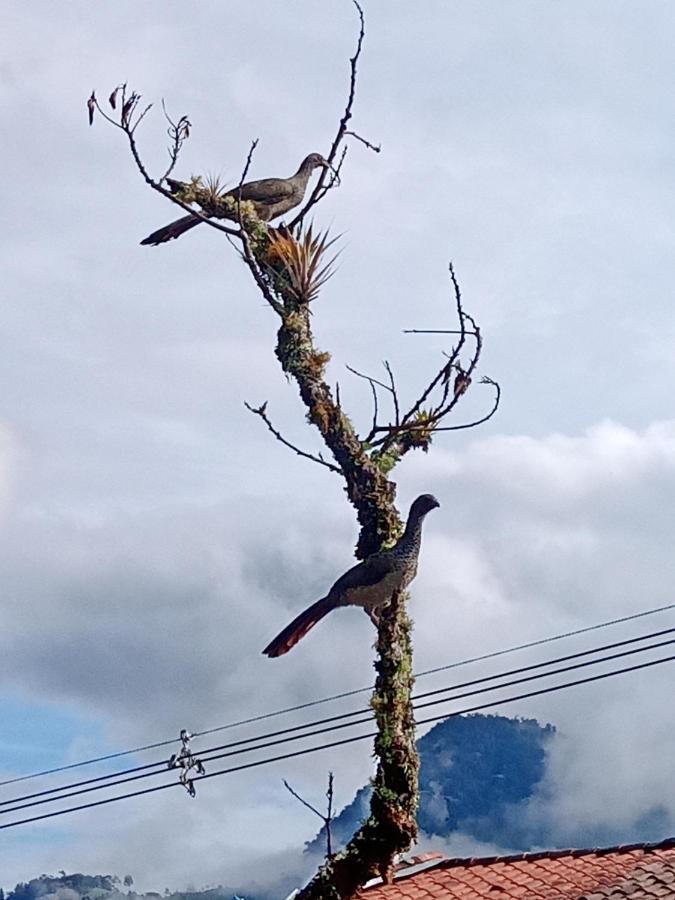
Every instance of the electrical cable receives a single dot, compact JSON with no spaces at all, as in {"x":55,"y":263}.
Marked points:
{"x":342,"y":742}
{"x":273,"y":734}
{"x":333,"y":727}
{"x":492,"y":655}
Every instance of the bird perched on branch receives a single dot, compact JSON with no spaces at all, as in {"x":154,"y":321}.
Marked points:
{"x":271,"y":197}
{"x":370,"y":584}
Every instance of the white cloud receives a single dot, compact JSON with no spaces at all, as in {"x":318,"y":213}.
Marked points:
{"x":564,"y":531}
{"x":8,"y":467}
{"x":188,"y":597}
{"x":154,"y":535}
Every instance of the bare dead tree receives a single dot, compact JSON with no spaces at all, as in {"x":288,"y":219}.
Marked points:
{"x":289,"y":265}
{"x":326,"y":819}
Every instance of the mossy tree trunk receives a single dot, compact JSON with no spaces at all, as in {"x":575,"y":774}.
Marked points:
{"x":392,"y":826}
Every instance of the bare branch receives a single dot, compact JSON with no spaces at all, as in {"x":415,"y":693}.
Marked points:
{"x":247,"y":166}
{"x":441,"y":378}
{"x":495,"y":407}
{"x":335,"y":176}
{"x":394,"y":395}
{"x":178,"y":133}
{"x":390,"y":388}
{"x":318,"y":191}
{"x":128,"y":127}
{"x":419,"y":424}
{"x":373,"y":428}
{"x":416,"y":427}
{"x":140,"y":117}
{"x":262,"y":412}
{"x":375,"y":149}
{"x":367,"y":378}
{"x":329,"y":817}
{"x":373,"y":382}
{"x":326,"y":819}
{"x":303,"y":801}
{"x":464,"y":376}
{"x":375,"y":411}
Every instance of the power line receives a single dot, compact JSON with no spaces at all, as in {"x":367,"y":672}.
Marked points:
{"x":341,"y":742}
{"x":230,"y":751}
{"x":453,"y":687}
{"x":279,"y":712}
{"x":162,"y":764}
{"x":559,"y":659}
{"x":547,"y":640}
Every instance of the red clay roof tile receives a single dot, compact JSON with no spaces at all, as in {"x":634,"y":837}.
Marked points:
{"x":630,"y":872}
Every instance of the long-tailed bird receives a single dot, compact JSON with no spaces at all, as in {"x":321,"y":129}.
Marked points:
{"x":370,"y":584}
{"x":271,"y":197}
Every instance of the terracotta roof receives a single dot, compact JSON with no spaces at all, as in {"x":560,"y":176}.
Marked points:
{"x":648,"y":880}
{"x":628,"y":872}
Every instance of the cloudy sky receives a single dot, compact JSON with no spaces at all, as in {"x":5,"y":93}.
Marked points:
{"x":155,"y":537}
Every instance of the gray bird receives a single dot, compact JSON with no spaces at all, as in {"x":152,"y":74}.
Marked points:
{"x":271,"y":197}
{"x":370,"y":583}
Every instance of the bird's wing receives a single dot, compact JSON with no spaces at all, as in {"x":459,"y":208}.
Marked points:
{"x":267,"y":190}
{"x":364,"y":574}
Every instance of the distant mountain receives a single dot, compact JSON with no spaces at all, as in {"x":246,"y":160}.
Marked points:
{"x":104,"y":887}
{"x":475,"y":773}
{"x":66,"y":887}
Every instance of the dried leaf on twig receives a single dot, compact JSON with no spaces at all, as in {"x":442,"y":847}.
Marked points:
{"x":91,"y":106}
{"x":462,"y":383}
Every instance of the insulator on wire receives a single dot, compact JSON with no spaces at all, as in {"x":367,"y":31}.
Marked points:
{"x":186,"y":762}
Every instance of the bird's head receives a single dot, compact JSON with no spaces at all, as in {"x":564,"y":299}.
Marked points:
{"x":422,"y":505}
{"x":314,"y":160}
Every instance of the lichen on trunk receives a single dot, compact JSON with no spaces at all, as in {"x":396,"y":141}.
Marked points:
{"x":368,"y":488}
{"x":391,"y":827}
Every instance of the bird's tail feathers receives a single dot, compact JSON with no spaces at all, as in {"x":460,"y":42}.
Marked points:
{"x":299,"y":627}
{"x":169,"y":232}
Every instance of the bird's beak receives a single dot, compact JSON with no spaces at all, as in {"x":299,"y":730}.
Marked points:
{"x":327,"y":165}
